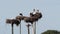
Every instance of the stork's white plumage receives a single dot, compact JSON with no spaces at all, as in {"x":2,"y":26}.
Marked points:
{"x":34,"y":11}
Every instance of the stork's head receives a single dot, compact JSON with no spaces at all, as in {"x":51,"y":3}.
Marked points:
{"x":21,"y":14}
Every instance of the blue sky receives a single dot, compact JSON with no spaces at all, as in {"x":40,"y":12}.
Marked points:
{"x":11,"y":8}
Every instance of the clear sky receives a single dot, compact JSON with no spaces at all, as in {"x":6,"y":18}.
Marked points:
{"x":11,"y":8}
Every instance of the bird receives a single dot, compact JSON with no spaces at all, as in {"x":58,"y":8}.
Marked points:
{"x":12,"y":21}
